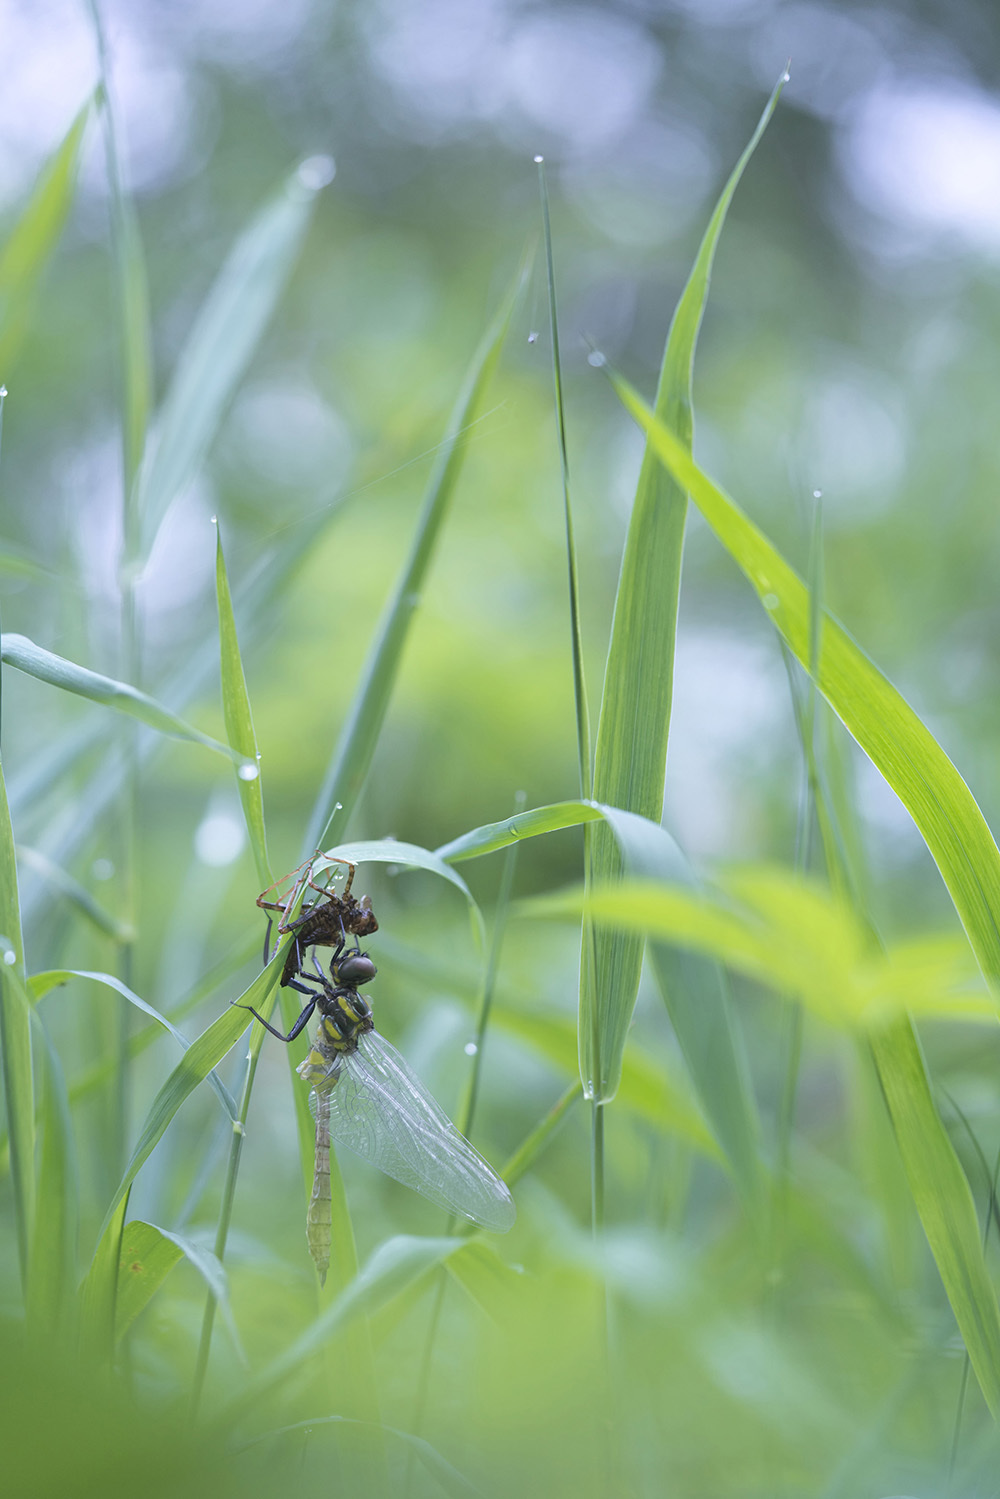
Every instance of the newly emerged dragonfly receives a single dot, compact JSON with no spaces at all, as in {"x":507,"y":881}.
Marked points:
{"x":365,"y":1096}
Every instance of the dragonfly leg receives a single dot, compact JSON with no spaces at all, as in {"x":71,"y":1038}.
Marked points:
{"x":299,"y":1025}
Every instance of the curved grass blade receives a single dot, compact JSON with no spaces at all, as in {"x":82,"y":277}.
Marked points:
{"x":40,"y":984}
{"x":391,"y":851}
{"x":221,"y":344}
{"x":147,"y":1256}
{"x":34,"y":238}
{"x":238,"y":718}
{"x":356,"y":745}
{"x":493,"y":836}
{"x":897,"y":742}
{"x":194,"y":1067}
{"x":634,"y":723}
{"x":20,"y":652}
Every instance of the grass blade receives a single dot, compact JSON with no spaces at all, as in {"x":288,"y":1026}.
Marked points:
{"x":493,"y":836}
{"x":20,"y":652}
{"x":78,"y":896}
{"x":897,"y":742}
{"x":239,"y":719}
{"x":634,"y":722}
{"x":221,"y":344}
{"x":34,"y":238}
{"x":15,"y":1043}
{"x":356,"y":745}
{"x":53,"y":1271}
{"x":147,"y":1258}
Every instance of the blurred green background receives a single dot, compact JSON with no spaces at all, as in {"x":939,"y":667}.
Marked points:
{"x":848,"y":349}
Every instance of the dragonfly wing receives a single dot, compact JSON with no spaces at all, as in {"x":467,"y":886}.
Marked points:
{"x":379,"y":1109}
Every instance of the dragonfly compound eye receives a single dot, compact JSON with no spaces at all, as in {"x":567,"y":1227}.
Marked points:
{"x":355,"y":969}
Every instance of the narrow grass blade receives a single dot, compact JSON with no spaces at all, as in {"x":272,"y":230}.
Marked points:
{"x":34,"y":238}
{"x":885,"y":726}
{"x":485,"y":1277}
{"x":194,"y":1067}
{"x":76,"y":894}
{"x":15,"y":1042}
{"x":356,"y":745}
{"x":394,"y":1266}
{"x":943,"y":1200}
{"x":100,"y":1288}
{"x":20,"y":652}
{"x":41,"y":983}
{"x":239,"y":720}
{"x":147,"y":1256}
{"x":634,"y":722}
{"x":534,"y":1143}
{"x":53,"y":1270}
{"x":221,"y":344}
{"x":576,"y":634}
{"x":493,"y":836}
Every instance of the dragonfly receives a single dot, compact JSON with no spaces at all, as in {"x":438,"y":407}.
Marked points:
{"x":325,"y":923}
{"x":365,"y":1095}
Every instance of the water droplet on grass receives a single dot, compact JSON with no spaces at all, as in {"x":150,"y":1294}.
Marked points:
{"x":770,"y":601}
{"x":248,"y":772}
{"x":817,"y":494}
{"x":102,"y":869}
{"x":538,"y":160}
{"x":316,"y":171}
{"x":597,"y":359}
{"x":471,"y":1048}
{"x":10,"y":957}
{"x":533,"y":337}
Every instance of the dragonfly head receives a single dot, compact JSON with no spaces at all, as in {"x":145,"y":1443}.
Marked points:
{"x":355,"y":969}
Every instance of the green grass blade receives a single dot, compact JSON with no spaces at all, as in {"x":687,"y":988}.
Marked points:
{"x":493,"y":836}
{"x":193,"y":1068}
{"x":391,"y":851}
{"x":40,"y":984}
{"x":695,"y":992}
{"x":147,"y":1258}
{"x":885,"y":726}
{"x":239,"y":720}
{"x":534,"y":1143}
{"x":576,"y":634}
{"x":34,"y":238}
{"x":15,"y":1042}
{"x":221,"y":344}
{"x":633,"y":728}
{"x":356,"y":745}
{"x":53,"y":1271}
{"x":943,"y":1200}
{"x":23,"y":654}
{"x":394,"y":1266}
{"x":99,"y":1291}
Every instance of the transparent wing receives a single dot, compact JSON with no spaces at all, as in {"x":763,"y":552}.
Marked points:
{"x":379,"y":1109}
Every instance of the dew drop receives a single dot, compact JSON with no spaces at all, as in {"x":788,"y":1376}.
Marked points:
{"x":102,"y":869}
{"x":248,"y":772}
{"x":471,"y":1048}
{"x":316,"y":171}
{"x":538,"y":160}
{"x":817,"y":494}
{"x":770,"y":601}
{"x":3,"y":391}
{"x":338,"y":806}
{"x":533,"y":337}
{"x":10,"y":957}
{"x":214,"y":519}
{"x":597,"y":359}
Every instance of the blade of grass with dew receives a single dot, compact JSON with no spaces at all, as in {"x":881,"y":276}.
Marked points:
{"x":51,"y":1299}
{"x":34,"y":238}
{"x":221,"y":343}
{"x":23,"y":654}
{"x":353,"y":753}
{"x":894,"y":738}
{"x":76,"y":894}
{"x":239,"y":719}
{"x":493,"y":836}
{"x":634,"y":723}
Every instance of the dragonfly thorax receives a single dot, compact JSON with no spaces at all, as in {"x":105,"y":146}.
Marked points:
{"x":344,"y":1016}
